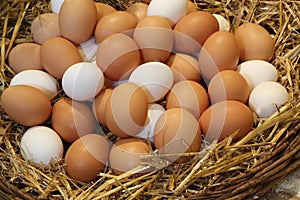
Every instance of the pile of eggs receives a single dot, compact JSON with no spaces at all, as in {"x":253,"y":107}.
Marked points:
{"x":159,"y":73}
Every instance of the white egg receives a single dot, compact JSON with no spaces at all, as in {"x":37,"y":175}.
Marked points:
{"x":55,"y":5}
{"x":173,"y":11}
{"x":257,"y":71}
{"x":88,"y":50}
{"x":266,"y":97}
{"x":41,"y":145}
{"x":38,"y":79}
{"x":224,"y":24}
{"x":82,"y":81}
{"x":155,"y":77}
{"x":154,"y":112}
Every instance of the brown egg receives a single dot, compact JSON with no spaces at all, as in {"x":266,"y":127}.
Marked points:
{"x":219,"y":52}
{"x":146,"y":1}
{"x":57,"y":55}
{"x":139,"y":10}
{"x":26,"y":105}
{"x":192,"y":30}
{"x":189,"y":95}
{"x":103,"y":9}
{"x":25,"y":56}
{"x":72,"y":119}
{"x":87,"y":157}
{"x":255,"y":42}
{"x":125,"y":154}
{"x":100,"y":104}
{"x":115,"y":22}
{"x":224,"y":118}
{"x":126,"y":110}
{"x":228,"y":85}
{"x":176,"y":132}
{"x":117,"y":56}
{"x":192,"y":7}
{"x":185,"y":67}
{"x":154,"y":48}
{"x":77,"y":20}
{"x":44,"y":27}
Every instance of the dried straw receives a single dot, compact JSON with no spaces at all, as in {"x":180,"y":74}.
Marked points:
{"x":245,"y":170}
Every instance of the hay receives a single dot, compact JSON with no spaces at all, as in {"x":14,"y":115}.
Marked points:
{"x":247,"y":169}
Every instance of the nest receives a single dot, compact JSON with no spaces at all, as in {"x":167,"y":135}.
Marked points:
{"x":247,"y":169}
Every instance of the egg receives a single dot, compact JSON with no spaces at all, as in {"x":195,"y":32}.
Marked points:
{"x":139,"y":10}
{"x":224,"y":24}
{"x":257,"y":71}
{"x":184,"y":67}
{"x":25,"y":56}
{"x":156,"y":79}
{"x":103,"y":9}
{"x":154,"y":112}
{"x":114,"y":22}
{"x":45,"y":26}
{"x":77,"y":20}
{"x":173,"y":12}
{"x":176,"y":132}
{"x":213,"y":58}
{"x":126,"y":154}
{"x":56,"y":5}
{"x":189,"y":95}
{"x":267,"y":97}
{"x":117,"y":56}
{"x":154,"y":48}
{"x":36,"y":78}
{"x":224,"y":118}
{"x":126,"y":110}
{"x":26,"y":105}
{"x":99,"y":105}
{"x":40,"y":145}
{"x":82,"y":81}
{"x":72,"y":119}
{"x":192,"y":30}
{"x":192,"y":7}
{"x":255,"y":43}
{"x":228,"y":85}
{"x":88,"y":50}
{"x":87,"y":157}
{"x":57,"y":55}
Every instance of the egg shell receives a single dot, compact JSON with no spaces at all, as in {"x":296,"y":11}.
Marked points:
{"x":224,"y":24}
{"x":228,"y":85}
{"x":36,"y":78}
{"x":45,"y":26}
{"x":154,"y":48}
{"x":72,"y":119}
{"x":88,"y":50}
{"x":87,"y":157}
{"x":189,"y":95}
{"x":25,"y":56}
{"x":56,"y":5}
{"x":156,"y":79}
{"x":100,"y":104}
{"x":184,"y":67}
{"x":213,"y":58}
{"x":26,"y":105}
{"x":117,"y":56}
{"x":257,"y":71}
{"x":192,"y":30}
{"x":224,"y":118}
{"x":57,"y":55}
{"x":267,"y":97}
{"x":126,"y":111}
{"x":146,"y":1}
{"x":255,"y":43}
{"x":139,"y":10}
{"x":103,"y":9}
{"x":41,"y":145}
{"x":77,"y":20}
{"x":82,"y":81}
{"x":176,"y":132}
{"x":173,"y":12}
{"x":192,"y":7}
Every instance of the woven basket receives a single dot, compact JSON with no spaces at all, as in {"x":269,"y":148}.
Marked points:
{"x":247,"y":169}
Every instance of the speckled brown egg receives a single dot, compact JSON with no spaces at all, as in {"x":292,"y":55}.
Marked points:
{"x":26,"y":105}
{"x":87,"y":157}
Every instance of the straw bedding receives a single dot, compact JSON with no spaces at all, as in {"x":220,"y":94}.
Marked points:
{"x":247,"y":169}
